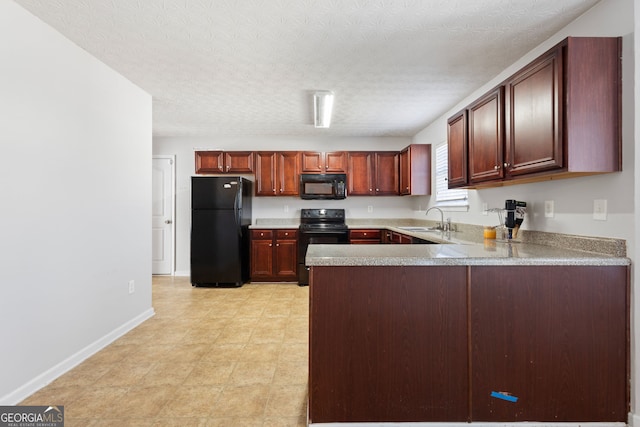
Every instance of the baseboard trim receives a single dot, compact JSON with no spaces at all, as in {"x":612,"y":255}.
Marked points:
{"x":634,"y":419}
{"x":182,"y":273}
{"x":72,"y":361}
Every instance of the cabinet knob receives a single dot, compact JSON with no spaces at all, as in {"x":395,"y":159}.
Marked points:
{"x":277,"y":244}
{"x":496,"y":167}
{"x":364,"y":234}
{"x":506,"y":165}
{"x":270,"y":244}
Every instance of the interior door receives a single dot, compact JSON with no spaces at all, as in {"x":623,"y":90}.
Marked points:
{"x":163,"y":215}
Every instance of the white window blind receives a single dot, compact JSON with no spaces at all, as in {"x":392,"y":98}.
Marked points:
{"x":445,"y":196}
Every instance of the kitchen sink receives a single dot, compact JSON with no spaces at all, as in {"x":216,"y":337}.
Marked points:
{"x":419,"y":228}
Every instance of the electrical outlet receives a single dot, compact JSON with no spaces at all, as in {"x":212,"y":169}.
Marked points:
{"x":549,"y":209}
{"x":600,"y":209}
{"x":132,"y":286}
{"x":369,"y":209}
{"x":286,"y":208}
{"x":485,"y":207}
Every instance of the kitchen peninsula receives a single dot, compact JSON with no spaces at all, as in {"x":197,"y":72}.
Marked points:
{"x":464,"y":331}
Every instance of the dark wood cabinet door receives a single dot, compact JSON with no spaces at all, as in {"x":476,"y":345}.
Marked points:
{"x":485,"y":135}
{"x":457,"y":149}
{"x":415,"y":170}
{"x":405,"y":172}
{"x":534,"y":117}
{"x":320,"y":162}
{"x":265,"y":173}
{"x":288,"y":172}
{"x":209,"y":162}
{"x":388,"y":344}
{"x":555,"y":337}
{"x":360,"y":173}
{"x":238,"y":161}
{"x":335,"y":162}
{"x":312,"y":162}
{"x":261,"y":254}
{"x":387,"y":169}
{"x":286,"y":256}
{"x":365,"y":236}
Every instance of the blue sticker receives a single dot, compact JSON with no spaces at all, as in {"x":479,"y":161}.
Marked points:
{"x":503,"y":396}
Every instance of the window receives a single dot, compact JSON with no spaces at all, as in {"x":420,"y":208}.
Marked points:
{"x":445,"y":196}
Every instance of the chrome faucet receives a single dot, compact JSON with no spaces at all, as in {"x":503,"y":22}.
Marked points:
{"x":441,"y":226}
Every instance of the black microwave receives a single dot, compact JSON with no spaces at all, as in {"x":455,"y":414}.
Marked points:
{"x":323,"y":186}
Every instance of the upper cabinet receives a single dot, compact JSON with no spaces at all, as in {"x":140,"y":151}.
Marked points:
{"x":324,"y":162}
{"x":373,"y":173}
{"x":277,"y":173}
{"x":370,"y":173}
{"x":415,"y":170}
{"x":534,"y":125}
{"x":457,"y":147}
{"x":224,"y":162}
{"x":557,"y":117}
{"x":485,"y":137}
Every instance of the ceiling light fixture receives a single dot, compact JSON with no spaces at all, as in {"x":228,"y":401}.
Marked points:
{"x":322,"y":108}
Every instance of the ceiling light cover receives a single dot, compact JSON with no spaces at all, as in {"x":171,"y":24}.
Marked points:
{"x":322,"y":108}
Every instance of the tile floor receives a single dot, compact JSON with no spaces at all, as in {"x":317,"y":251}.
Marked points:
{"x":209,"y":357}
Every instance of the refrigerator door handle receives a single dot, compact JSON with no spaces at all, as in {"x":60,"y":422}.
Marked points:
{"x":236,"y":215}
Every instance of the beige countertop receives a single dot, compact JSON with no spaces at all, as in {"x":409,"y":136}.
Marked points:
{"x":489,"y":253}
{"x":465,"y":246}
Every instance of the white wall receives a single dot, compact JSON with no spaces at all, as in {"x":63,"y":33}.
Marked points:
{"x":274,"y":207}
{"x":574,"y":197}
{"x":76,"y":204}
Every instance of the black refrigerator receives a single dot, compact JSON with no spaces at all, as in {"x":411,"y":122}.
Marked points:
{"x":220,"y":219}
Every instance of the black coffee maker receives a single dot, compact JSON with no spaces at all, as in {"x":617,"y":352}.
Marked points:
{"x":515,"y":216}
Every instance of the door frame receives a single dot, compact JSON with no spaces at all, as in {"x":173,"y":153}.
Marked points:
{"x":172,"y":159}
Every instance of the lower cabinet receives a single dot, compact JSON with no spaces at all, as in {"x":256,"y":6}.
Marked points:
{"x":394,"y":237}
{"x":555,"y":338}
{"x":388,"y":344}
{"x":365,"y":236}
{"x":274,"y":255}
{"x":469,"y":343}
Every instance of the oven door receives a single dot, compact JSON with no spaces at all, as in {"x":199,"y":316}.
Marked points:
{"x":307,"y":238}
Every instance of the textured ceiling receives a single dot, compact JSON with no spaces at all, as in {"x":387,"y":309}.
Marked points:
{"x":248,"y":67}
